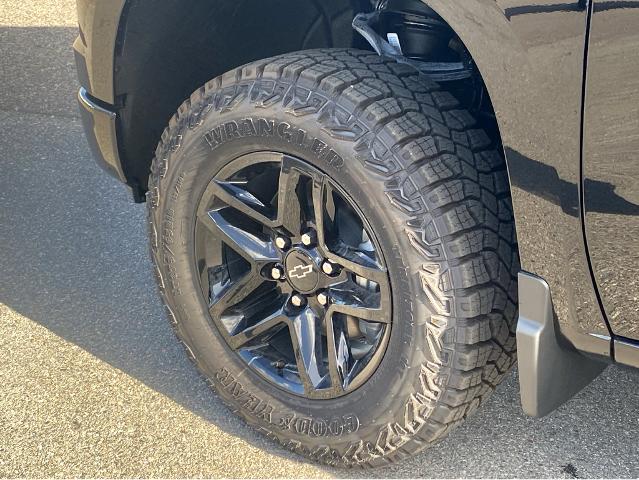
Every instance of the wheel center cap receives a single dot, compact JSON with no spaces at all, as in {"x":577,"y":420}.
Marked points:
{"x":301,"y":271}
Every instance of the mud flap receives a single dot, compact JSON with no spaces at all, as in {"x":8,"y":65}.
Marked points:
{"x":550,"y":373}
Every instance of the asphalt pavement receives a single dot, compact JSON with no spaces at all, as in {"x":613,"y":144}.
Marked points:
{"x":92,"y":381}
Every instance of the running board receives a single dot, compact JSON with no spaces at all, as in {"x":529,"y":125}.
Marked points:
{"x":549,"y":372}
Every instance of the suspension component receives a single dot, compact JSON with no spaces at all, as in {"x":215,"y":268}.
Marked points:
{"x":410,"y":32}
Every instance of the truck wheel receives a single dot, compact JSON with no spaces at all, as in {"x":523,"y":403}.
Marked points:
{"x":334,"y":241}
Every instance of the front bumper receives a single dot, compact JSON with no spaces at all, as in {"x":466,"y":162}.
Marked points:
{"x":94,"y":48}
{"x":99,"y":126}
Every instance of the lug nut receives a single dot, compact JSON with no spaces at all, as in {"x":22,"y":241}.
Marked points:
{"x":282,"y":243}
{"x":329,"y":268}
{"x":309,"y":238}
{"x":298,"y":300}
{"x":322,"y":298}
{"x":277,"y":272}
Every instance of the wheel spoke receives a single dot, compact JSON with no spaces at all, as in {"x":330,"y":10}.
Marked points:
{"x":338,"y":355}
{"x":289,"y":208}
{"x":350,"y":259}
{"x":306,"y":338}
{"x":263,"y":326}
{"x":350,"y":299}
{"x":251,"y":247}
{"x":234,"y":293}
{"x":369,"y":272}
{"x":323,"y":204}
{"x":370,"y":314}
{"x":203,"y":260}
{"x":236,"y":197}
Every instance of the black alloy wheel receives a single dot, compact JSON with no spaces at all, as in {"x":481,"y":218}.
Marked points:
{"x":293,"y":277}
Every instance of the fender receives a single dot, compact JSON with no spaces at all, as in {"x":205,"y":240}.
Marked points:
{"x":531,"y":58}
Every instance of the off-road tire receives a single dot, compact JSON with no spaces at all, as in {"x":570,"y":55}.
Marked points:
{"x":435,"y":190}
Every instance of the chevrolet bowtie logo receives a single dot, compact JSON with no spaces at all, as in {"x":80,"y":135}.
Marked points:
{"x":301,"y":271}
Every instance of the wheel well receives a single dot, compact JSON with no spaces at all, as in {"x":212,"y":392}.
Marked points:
{"x":165,"y":51}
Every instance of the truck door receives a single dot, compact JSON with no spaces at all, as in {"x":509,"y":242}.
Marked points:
{"x":611,"y":161}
